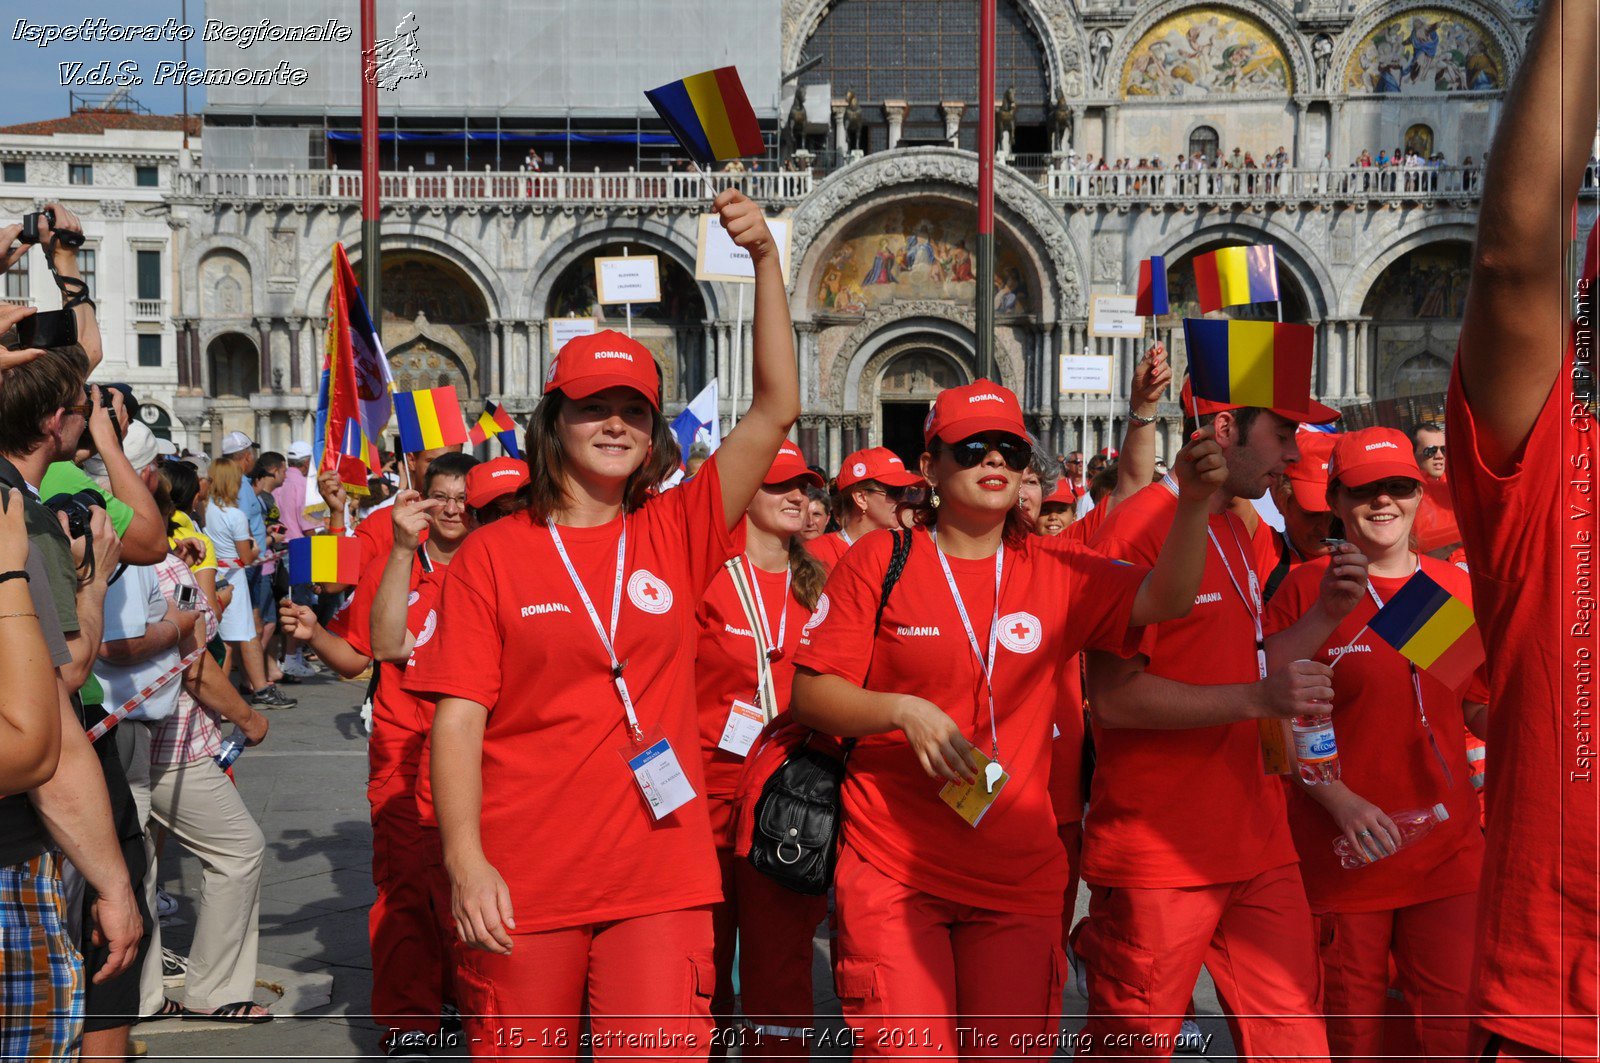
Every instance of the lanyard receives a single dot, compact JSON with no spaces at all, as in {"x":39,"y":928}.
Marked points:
{"x":606,"y":640}
{"x":774,"y":649}
{"x":1252,"y":603}
{"x":1416,"y":687}
{"x":985,"y":663}
{"x":846,"y":537}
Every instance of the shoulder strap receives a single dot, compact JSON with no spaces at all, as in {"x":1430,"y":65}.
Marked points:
{"x":741,"y":585}
{"x":899,"y":554}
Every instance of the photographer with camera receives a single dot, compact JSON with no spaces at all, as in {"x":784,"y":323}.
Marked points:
{"x":58,"y":232}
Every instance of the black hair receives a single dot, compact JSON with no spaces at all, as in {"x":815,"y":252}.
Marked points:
{"x":457,"y":465}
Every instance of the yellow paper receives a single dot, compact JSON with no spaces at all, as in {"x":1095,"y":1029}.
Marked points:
{"x":972,"y":801}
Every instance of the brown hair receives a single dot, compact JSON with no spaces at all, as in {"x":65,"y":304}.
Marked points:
{"x":808,"y":574}
{"x":226,"y":479}
{"x":545,"y":491}
{"x":924,"y":514}
{"x":32,"y":392}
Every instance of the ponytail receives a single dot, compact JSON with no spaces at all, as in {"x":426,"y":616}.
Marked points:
{"x":807,"y":573}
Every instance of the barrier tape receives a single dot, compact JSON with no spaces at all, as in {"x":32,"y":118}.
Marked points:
{"x":144,"y":695}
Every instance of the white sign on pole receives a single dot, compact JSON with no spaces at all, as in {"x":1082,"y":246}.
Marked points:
{"x":1086,"y":374}
{"x":563,"y":329}
{"x":1112,"y":315}
{"x":718,"y":258}
{"x":633,"y":279}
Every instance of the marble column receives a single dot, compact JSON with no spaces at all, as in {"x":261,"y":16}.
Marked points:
{"x":495,"y":371}
{"x":184,"y":380}
{"x":1363,"y":361}
{"x":952,"y":111}
{"x":895,"y":112}
{"x":839,"y":143}
{"x":264,"y":361}
{"x":296,"y":324}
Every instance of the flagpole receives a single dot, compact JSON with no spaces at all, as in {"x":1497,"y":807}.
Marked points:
{"x":371,"y":214}
{"x":737,"y":369}
{"x":628,"y":307}
{"x":985,"y":285}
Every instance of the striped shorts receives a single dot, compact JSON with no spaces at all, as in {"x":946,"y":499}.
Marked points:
{"x":41,"y":973}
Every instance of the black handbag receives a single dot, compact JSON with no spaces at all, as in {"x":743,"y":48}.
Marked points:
{"x":795,"y":841}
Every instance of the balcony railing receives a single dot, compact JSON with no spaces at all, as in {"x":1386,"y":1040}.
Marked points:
{"x":1226,"y":187}
{"x":464,"y":188}
{"x":147,"y":309}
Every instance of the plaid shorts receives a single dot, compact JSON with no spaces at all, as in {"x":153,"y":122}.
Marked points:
{"x":41,"y":974}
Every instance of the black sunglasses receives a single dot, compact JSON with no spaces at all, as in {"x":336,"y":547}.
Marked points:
{"x":973,"y":449}
{"x":1394,"y":487}
{"x":1429,"y":452}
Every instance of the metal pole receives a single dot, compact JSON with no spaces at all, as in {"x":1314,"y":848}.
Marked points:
{"x":183,"y":48}
{"x":985,"y":286}
{"x":371,"y":269}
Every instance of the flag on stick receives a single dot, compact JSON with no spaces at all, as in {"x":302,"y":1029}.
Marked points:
{"x":342,"y":392}
{"x":1432,"y":629}
{"x":710,"y":115}
{"x":1250,"y":363}
{"x":495,"y":421}
{"x":429,"y":419}
{"x":324,"y":559}
{"x":1236,"y":275}
{"x":698,"y":423}
{"x":1151,"y":295}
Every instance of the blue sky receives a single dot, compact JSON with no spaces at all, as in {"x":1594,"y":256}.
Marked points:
{"x":34,"y":91}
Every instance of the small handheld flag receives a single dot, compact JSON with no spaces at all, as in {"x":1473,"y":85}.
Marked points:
{"x":1150,"y":299}
{"x":1236,"y":275}
{"x":710,"y":115}
{"x":495,"y":421}
{"x":698,"y":422}
{"x":1433,"y":629}
{"x":429,"y":419}
{"x":324,"y":559}
{"x":1249,"y":363}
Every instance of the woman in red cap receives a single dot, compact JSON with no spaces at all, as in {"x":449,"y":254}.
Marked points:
{"x":1397,"y":729}
{"x":950,"y":878}
{"x":749,"y":626}
{"x":566,"y":775}
{"x":869,"y":486}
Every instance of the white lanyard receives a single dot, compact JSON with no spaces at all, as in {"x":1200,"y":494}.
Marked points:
{"x":1252,"y":604}
{"x":1416,"y":686}
{"x":774,"y":649}
{"x":606,"y":640}
{"x":985,"y":663}
{"x":846,"y":537}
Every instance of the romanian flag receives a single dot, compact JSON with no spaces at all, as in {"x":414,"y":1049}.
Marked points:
{"x":710,"y":115}
{"x":356,"y":445}
{"x":324,"y":559}
{"x":495,"y":421}
{"x":429,"y":419}
{"x":354,"y":387}
{"x":1236,"y":275}
{"x":1249,"y":363}
{"x":1433,"y":629}
{"x":1151,"y":298}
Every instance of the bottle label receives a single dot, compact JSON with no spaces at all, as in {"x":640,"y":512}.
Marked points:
{"x":1314,"y":747}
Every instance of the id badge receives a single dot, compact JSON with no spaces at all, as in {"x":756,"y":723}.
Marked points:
{"x":658,"y":774}
{"x":743,"y":728}
{"x":972,"y":801}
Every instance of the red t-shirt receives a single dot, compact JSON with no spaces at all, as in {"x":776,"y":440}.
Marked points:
{"x":1530,"y":530}
{"x":1190,"y":807}
{"x":1385,"y":756}
{"x":563,"y":820}
{"x":391,"y":705}
{"x":828,"y":548}
{"x":725,"y":664}
{"x":376,"y":535}
{"x":1055,"y":598}
{"x":1435,"y":526}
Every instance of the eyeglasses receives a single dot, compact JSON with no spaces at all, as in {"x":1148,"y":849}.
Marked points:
{"x":1428,"y":452}
{"x":1395,"y":487}
{"x":82,"y":409}
{"x":447,"y":501}
{"x":973,"y":449}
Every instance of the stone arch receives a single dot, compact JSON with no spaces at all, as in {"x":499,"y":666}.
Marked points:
{"x":1352,"y":40}
{"x":1273,"y":18}
{"x":881,"y":335}
{"x":423,"y":355}
{"x":1365,"y":271}
{"x":1421,"y":374}
{"x":232,"y":365}
{"x":650,"y":237}
{"x":241,"y":250}
{"x":1293,"y":255}
{"x":1413,"y":308}
{"x":311,"y":297}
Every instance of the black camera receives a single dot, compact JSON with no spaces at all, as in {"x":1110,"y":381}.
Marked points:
{"x":79,"y":508}
{"x":30,"y":230}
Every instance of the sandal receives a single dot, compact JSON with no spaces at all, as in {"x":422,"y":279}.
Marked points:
{"x":242,"y":1011}
{"x":170,"y":1009}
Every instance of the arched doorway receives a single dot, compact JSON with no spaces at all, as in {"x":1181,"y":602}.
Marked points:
{"x":424,"y":296}
{"x":234,"y":366}
{"x":1415,"y":308}
{"x":1205,"y":142}
{"x":1186,"y":303}
{"x":911,"y":380}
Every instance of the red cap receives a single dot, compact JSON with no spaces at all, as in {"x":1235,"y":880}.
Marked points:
{"x":1065,"y":494}
{"x":1314,"y":413}
{"x":493,"y":479}
{"x":1370,"y":455}
{"x":790,"y":464}
{"x":876,"y":463}
{"x":1107,"y":452}
{"x":981,"y":406}
{"x":1308,"y":477}
{"x":604,"y":359}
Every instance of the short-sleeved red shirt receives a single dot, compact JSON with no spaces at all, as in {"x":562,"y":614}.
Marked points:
{"x":1056,"y":597}
{"x":563,"y":820}
{"x":1385,"y":756}
{"x":391,"y":704}
{"x":828,"y":548}
{"x":1192,"y":807}
{"x":1530,"y":530}
{"x":1436,"y":524}
{"x":725,"y":664}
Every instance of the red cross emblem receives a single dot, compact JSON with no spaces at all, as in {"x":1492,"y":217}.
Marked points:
{"x":1021,"y":630}
{"x":651,"y":592}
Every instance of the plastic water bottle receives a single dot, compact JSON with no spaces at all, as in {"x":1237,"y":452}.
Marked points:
{"x":1316,"y":749}
{"x":1413,"y":823}
{"x":232,"y":746}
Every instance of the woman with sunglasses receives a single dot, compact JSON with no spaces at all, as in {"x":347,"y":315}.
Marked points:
{"x":950,"y":878}
{"x":1398,"y":729}
{"x":869,"y":486}
{"x":565,"y":759}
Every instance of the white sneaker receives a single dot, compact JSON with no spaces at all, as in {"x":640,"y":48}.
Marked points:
{"x":298,"y":668}
{"x":1190,"y":1041}
{"x":165,"y":904}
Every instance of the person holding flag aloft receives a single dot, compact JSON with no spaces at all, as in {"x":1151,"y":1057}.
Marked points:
{"x":566,"y":775}
{"x":1397,"y":726}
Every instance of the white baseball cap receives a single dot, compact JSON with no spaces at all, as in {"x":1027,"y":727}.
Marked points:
{"x":299,"y":450}
{"x":234,"y":442}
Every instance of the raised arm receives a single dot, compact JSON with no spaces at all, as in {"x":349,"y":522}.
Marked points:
{"x":1168,"y":591}
{"x":65,"y":260}
{"x":145,"y":541}
{"x":1515,"y":330}
{"x":1136,"y":461}
{"x":747,"y":452}
{"x":390,"y":639}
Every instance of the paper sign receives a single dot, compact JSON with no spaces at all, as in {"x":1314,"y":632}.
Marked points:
{"x":1113,"y":315}
{"x":973,"y":800}
{"x":563,"y":329}
{"x":635,"y":279}
{"x":718,"y":258}
{"x":1086,"y":373}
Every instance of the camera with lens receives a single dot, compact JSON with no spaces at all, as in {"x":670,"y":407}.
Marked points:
{"x":79,"y":508}
{"x":30,"y":229}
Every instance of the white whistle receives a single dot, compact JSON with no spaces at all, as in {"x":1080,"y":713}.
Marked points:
{"x":991,"y":775}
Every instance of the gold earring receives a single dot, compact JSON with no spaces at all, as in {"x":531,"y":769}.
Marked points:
{"x":933,"y":499}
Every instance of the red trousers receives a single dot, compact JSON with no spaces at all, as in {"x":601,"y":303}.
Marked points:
{"x":918,"y":975}
{"x":773,"y":928}
{"x":1432,"y":948}
{"x":1143,"y":949}
{"x":645,"y":984}
{"x":410,"y":925}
